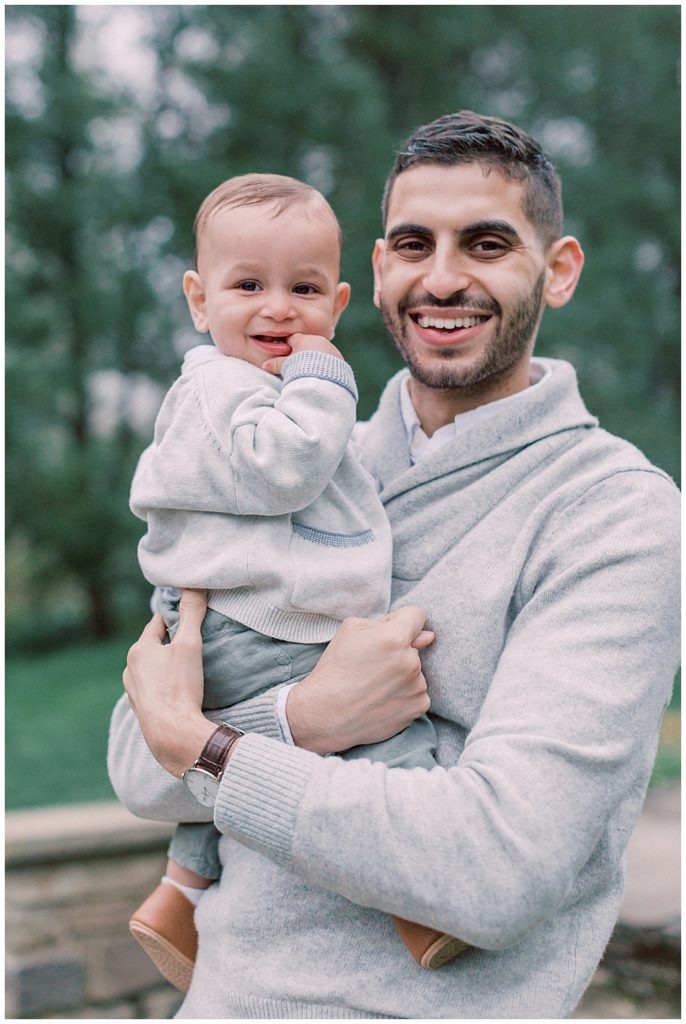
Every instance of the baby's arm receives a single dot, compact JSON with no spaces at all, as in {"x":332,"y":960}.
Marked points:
{"x":284,"y":453}
{"x":231,"y":441}
{"x":302,"y":343}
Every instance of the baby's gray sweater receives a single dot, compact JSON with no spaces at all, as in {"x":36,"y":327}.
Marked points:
{"x":252,"y":490}
{"x":544,"y":552}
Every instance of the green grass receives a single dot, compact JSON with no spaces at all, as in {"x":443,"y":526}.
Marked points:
{"x":57,"y":712}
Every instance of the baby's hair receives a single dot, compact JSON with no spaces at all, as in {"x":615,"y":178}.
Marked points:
{"x":255,"y":190}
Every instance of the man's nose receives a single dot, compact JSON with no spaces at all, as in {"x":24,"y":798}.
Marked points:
{"x":445,"y":275}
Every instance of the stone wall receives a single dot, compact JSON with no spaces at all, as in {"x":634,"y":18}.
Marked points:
{"x":75,"y":874}
{"x":73,"y":877}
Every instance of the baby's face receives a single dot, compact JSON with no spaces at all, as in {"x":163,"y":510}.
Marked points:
{"x":263,"y":277}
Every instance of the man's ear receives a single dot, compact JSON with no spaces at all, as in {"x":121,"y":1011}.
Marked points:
{"x":194,"y":290}
{"x":565,"y":260}
{"x":377,"y":263}
{"x":341,"y":300}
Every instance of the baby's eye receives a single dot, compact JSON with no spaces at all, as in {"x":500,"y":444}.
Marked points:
{"x":249,"y":286}
{"x":305,"y":289}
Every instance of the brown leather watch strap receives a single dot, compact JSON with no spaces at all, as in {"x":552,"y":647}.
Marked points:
{"x":215,"y":751}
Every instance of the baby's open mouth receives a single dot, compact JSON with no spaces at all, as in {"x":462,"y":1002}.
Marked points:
{"x":269,"y":339}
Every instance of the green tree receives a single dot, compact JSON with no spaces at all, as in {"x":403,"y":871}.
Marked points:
{"x":104,"y":178}
{"x":73,"y":313}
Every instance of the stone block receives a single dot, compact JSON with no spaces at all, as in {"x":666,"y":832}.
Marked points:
{"x":31,"y":931}
{"x":43,"y":984}
{"x":57,"y":885}
{"x":162,"y":1005}
{"x":118,"y":1011}
{"x":117,"y":968}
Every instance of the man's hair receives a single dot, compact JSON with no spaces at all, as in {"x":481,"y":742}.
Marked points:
{"x":465,"y":138}
{"x":256,"y":190}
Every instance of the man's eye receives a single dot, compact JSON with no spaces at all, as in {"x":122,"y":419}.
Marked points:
{"x":249,"y":286}
{"x":489,"y":248}
{"x":411,"y":247}
{"x":305,"y":289}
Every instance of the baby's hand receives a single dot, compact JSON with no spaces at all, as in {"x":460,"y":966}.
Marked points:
{"x":302,"y":343}
{"x":312,"y":343}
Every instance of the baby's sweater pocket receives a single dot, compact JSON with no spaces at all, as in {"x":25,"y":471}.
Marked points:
{"x":339,"y":574}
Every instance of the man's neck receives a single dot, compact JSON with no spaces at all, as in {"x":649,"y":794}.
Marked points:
{"x":436,"y":407}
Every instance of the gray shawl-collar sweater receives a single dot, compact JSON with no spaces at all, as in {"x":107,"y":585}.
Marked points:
{"x":544,"y":552}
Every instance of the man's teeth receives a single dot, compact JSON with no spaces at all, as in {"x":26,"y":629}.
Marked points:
{"x":450,"y":325}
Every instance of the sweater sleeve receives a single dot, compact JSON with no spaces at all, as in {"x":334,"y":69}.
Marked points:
{"x":283,"y":455}
{"x":142,"y":784}
{"x":491,"y":847}
{"x":230,"y":439}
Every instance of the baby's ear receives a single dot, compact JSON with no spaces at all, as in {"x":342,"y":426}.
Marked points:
{"x":194,"y":290}
{"x":341,"y":301}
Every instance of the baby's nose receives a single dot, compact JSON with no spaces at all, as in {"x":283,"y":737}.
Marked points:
{"x":278,"y":306}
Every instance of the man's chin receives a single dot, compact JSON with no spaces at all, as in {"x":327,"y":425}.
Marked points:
{"x":447,"y":373}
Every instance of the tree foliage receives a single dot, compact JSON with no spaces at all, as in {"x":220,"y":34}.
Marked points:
{"x":108,"y":163}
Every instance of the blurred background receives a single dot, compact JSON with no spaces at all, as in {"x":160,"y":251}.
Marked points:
{"x":120,"y":119}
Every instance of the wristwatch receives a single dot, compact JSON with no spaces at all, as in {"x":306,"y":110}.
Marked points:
{"x":204,"y":777}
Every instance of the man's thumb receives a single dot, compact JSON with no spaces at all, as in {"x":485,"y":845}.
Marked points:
{"x":423,"y":639}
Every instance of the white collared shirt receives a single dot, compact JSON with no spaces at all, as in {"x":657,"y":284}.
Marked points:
{"x":419,"y":445}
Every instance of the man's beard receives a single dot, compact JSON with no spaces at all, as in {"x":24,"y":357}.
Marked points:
{"x":509,"y":345}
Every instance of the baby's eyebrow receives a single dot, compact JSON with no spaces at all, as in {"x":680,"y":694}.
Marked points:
{"x":245,"y":267}
{"x":309,"y":270}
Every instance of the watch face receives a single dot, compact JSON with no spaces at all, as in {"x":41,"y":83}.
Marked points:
{"x":202,"y":785}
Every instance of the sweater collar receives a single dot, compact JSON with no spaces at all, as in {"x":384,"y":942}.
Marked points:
{"x":420,"y":445}
{"x":198,"y":355}
{"x":538,"y":413}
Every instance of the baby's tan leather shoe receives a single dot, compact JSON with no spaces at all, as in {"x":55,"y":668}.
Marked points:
{"x":430,"y":948}
{"x":164,"y":926}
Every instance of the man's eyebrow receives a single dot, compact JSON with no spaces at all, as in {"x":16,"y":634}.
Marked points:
{"x":408,"y":229}
{"x":497,"y":227}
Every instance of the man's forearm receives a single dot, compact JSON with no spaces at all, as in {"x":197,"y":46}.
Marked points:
{"x":139,"y":780}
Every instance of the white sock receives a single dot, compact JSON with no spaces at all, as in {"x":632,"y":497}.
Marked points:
{"x":191,"y":894}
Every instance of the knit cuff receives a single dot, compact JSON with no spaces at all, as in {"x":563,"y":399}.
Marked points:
{"x":257,"y":714}
{"x":321,"y":365}
{"x":260,"y":793}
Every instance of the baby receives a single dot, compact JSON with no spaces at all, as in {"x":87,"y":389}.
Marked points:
{"x":252,"y":490}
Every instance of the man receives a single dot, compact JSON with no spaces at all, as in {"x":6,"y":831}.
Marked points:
{"x":543,"y":552}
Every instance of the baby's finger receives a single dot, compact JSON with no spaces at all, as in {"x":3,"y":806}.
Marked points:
{"x":274,"y":365}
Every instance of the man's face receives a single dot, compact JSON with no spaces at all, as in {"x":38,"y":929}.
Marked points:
{"x":460,"y":277}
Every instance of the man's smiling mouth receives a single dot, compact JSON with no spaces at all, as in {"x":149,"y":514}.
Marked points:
{"x":450,"y":324}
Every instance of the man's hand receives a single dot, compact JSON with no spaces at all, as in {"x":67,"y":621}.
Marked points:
{"x":301,"y":343}
{"x":164,"y":685}
{"x":367,"y":686}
